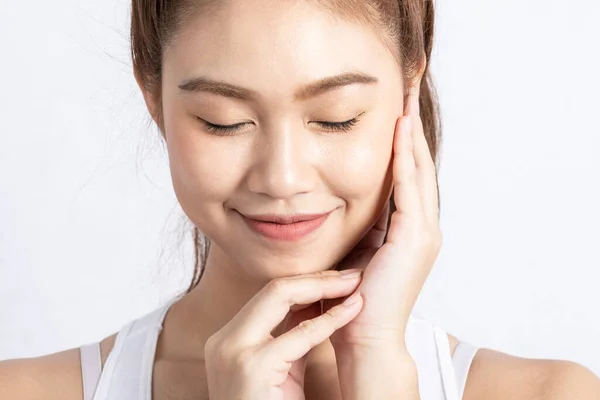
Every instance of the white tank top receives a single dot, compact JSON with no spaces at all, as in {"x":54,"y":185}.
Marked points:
{"x":127,"y":373}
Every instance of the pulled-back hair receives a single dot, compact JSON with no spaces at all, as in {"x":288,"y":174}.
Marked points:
{"x":405,"y":26}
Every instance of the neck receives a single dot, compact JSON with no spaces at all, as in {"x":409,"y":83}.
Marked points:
{"x":218,"y":297}
{"x":215,"y":300}
{"x":222,"y":291}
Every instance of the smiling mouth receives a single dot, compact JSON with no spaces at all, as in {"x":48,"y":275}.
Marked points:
{"x":285,"y":228}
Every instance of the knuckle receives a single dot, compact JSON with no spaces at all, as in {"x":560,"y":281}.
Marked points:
{"x":325,"y":275}
{"x":326,"y":278}
{"x":224,"y":357}
{"x":308,"y":328}
{"x":212,"y":343}
{"x":276,"y":286}
{"x":217,"y":350}
{"x":329,"y":319}
{"x":244,"y":361}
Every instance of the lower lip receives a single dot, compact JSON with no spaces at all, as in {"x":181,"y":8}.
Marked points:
{"x":286,"y":232}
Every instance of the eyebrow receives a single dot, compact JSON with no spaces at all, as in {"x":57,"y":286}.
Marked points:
{"x":313,"y":89}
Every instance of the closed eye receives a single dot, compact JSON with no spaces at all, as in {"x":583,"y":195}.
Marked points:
{"x":223,"y":130}
{"x":344,"y":126}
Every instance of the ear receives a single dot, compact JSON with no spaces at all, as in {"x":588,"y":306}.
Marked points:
{"x":149,"y":99}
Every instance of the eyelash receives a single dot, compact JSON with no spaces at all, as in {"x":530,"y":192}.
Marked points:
{"x":344,"y":126}
{"x":221,"y":130}
{"x":224,"y":130}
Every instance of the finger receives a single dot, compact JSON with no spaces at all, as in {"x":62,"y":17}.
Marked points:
{"x":267,"y":309}
{"x":363,"y":258}
{"x":425,"y":166}
{"x":294,"y":317}
{"x":328,"y":272}
{"x":406,"y":191}
{"x":297,"y":342}
{"x":411,"y":107}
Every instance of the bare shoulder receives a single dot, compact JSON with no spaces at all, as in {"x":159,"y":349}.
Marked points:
{"x":496,"y":375}
{"x":52,"y":376}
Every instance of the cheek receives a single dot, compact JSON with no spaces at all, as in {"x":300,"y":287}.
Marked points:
{"x":361,"y":163}
{"x":202,"y":169}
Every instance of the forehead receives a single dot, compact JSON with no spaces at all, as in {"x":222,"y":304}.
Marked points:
{"x":273,"y":41}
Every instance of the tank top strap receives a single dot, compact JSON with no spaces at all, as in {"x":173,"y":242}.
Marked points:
{"x":442,"y":345}
{"x":442,"y":375}
{"x":462,"y":359}
{"x":91,"y":368}
{"x":104,"y":382}
{"x":426,"y":347}
{"x":151,"y":325}
{"x":127,"y":374}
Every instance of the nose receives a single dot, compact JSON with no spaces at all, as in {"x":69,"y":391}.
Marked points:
{"x":284,"y":163}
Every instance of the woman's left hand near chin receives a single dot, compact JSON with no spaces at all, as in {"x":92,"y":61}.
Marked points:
{"x":372,"y":358}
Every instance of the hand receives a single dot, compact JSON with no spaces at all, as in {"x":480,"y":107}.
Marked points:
{"x":394,"y":273}
{"x":245,"y":361}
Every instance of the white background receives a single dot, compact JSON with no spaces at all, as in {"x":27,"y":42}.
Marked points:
{"x":91,"y":235}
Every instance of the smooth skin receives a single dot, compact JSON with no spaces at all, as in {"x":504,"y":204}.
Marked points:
{"x":282,"y":157}
{"x":244,"y":359}
{"x":280,"y":360}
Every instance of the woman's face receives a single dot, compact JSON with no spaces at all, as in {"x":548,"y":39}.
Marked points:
{"x":283,"y":157}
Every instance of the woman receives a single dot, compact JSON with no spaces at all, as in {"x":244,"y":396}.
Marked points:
{"x":302,"y":138}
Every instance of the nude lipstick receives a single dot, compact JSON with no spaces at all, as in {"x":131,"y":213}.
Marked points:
{"x":285,"y":228}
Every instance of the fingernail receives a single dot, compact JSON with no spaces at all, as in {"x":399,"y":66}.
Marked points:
{"x":351,"y":275}
{"x":349,"y":271}
{"x":352,"y":299}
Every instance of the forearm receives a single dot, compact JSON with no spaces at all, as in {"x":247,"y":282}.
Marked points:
{"x":369,"y":374}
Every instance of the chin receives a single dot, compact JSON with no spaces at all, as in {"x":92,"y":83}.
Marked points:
{"x":264,"y":265}
{"x":271,"y":266}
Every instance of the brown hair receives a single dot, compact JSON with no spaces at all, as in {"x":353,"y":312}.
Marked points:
{"x":406,"y":26}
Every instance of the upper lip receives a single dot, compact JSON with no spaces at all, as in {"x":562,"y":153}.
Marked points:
{"x":284,"y":219}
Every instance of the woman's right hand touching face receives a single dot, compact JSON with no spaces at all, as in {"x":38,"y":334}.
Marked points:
{"x":245,"y":361}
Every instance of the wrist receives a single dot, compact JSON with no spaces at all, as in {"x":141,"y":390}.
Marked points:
{"x":393,"y":347}
{"x":367,"y":373}
{"x":361,"y":357}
